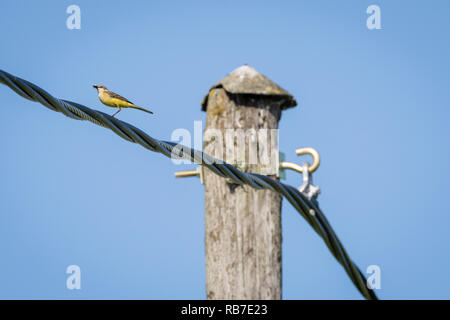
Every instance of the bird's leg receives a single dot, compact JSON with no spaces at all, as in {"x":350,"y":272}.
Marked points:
{"x":116,"y":112}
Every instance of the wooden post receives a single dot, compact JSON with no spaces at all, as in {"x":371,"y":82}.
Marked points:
{"x":243,"y":225}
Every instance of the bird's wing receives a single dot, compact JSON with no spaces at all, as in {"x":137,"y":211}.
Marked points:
{"x":118,"y":96}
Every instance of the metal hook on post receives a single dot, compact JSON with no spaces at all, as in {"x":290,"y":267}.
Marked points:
{"x":307,"y":188}
{"x":316,"y":157}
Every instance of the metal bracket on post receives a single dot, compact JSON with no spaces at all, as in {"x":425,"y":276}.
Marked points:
{"x":307,"y":188}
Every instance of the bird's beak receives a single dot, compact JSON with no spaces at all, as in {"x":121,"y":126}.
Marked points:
{"x":95,"y":86}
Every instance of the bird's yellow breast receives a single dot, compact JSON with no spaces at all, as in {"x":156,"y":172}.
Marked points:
{"x":106,"y":99}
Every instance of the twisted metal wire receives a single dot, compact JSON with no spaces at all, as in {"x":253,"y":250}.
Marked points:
{"x":309,"y":210}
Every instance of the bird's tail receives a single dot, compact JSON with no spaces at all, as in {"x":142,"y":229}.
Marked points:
{"x":142,"y":109}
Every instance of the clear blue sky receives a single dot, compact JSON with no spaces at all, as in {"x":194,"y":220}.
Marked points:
{"x":374,"y":103}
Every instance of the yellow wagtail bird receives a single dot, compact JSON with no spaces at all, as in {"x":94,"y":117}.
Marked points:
{"x":114,"y":100}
